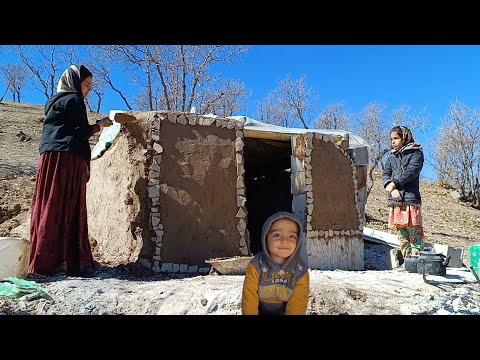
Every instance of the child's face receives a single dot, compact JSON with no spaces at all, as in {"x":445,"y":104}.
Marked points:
{"x":396,"y":140}
{"x":282,"y":239}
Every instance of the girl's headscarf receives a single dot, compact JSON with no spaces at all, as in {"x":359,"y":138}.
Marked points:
{"x":72,"y":78}
{"x":406,"y":135}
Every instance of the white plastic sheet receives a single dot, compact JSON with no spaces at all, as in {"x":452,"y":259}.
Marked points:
{"x":107,"y":136}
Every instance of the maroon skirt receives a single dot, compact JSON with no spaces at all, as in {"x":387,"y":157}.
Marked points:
{"x":58,"y":224}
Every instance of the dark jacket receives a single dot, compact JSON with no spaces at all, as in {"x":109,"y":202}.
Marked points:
{"x":66,"y":125}
{"x":403,"y":168}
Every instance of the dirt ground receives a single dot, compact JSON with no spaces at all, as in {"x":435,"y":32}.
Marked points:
{"x":124,"y":290}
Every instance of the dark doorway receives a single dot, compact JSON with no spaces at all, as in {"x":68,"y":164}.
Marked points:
{"x":267,"y":182}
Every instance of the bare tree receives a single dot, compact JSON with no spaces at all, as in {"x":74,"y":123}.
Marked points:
{"x":230,"y":97}
{"x":15,"y":76}
{"x":298,"y":98}
{"x":6,"y":80}
{"x":373,"y":128}
{"x":457,"y":154}
{"x":4,"y":93}
{"x":265,"y":109}
{"x":334,"y":116}
{"x":101,"y":65}
{"x":45,"y":63}
{"x":291,"y":103}
{"x":444,"y":160}
{"x":416,"y":120}
{"x":270,"y":111}
{"x":173,"y":77}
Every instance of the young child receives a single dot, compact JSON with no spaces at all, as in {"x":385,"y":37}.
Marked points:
{"x":401,"y":179}
{"x":277,"y":281}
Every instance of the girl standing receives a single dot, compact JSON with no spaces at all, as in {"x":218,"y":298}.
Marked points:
{"x":401,"y":180}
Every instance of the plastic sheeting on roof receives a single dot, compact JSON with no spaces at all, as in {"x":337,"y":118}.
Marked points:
{"x":109,"y":134}
{"x":250,"y":124}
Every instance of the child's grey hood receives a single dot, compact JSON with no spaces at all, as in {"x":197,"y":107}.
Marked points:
{"x":300,"y":253}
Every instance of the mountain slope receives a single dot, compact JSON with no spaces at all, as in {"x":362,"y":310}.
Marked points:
{"x":446,"y":221}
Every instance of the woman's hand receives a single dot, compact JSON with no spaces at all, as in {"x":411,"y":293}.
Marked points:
{"x":396,"y":194}
{"x":105,"y":122}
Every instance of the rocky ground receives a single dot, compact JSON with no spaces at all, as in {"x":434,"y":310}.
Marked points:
{"x":116,"y":291}
{"x":130,"y":290}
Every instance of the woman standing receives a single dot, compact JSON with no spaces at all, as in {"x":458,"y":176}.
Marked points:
{"x":401,"y":179}
{"x":58,"y":228}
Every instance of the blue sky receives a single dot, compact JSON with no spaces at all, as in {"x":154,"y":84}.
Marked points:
{"x":394,"y":75}
{"x":419,"y":75}
{"x":430,"y":76}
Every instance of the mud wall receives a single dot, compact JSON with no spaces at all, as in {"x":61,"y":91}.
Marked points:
{"x":117,"y":201}
{"x":334,"y":217}
{"x":333,"y":191}
{"x":197,"y":193}
{"x":170,"y":193}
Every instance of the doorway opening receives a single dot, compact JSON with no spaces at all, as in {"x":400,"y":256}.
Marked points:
{"x":267,"y":183}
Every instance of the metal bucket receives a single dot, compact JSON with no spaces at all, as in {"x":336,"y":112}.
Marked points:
{"x":432,"y":263}
{"x":411,"y":264}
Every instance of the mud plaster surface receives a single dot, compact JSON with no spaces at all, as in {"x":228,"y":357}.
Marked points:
{"x":198,"y":193}
{"x":333,"y":193}
{"x":115,"y":197}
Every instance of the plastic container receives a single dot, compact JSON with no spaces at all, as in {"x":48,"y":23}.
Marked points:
{"x":474,"y":252}
{"x":14,"y":257}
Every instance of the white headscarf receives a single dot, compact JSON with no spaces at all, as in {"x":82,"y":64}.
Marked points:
{"x":70,"y":80}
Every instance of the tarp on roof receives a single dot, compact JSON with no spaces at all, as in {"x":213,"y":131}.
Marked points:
{"x":251,"y":124}
{"x":109,"y":134}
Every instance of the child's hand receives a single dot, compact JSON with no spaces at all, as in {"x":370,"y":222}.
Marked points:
{"x":390,"y":187}
{"x":396,"y":194}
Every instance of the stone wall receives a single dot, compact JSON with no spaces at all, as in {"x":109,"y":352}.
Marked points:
{"x":334,"y":215}
{"x":170,"y":193}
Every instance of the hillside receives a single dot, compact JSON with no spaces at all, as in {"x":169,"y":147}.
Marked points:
{"x":125,"y":290}
{"x":447,"y":221}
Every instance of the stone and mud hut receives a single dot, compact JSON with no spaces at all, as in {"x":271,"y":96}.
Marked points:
{"x":174,"y":189}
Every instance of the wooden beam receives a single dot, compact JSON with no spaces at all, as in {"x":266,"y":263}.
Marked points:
{"x":271,"y":135}
{"x":266,"y":135}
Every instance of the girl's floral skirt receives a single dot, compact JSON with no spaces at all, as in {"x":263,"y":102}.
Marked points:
{"x":407,"y":221}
